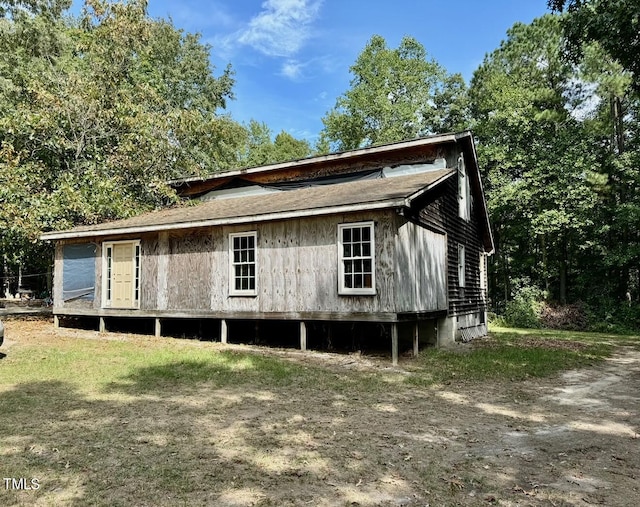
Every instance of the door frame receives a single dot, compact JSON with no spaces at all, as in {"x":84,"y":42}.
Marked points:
{"x":137,"y":269}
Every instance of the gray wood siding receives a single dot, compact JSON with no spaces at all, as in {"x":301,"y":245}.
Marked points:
{"x":421,"y":267}
{"x":297,"y":268}
{"x":188,"y":269}
{"x":149,"y":249}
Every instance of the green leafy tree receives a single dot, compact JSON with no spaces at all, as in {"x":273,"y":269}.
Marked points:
{"x":96,"y":113}
{"x":261,"y":149}
{"x":613,"y":24}
{"x":602,"y":37}
{"x":537,"y":158}
{"x":395,"y":94}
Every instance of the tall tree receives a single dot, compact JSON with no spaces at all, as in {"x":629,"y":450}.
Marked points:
{"x":395,"y":94}
{"x":96,"y":113}
{"x":260,"y":147}
{"x":597,"y":31}
{"x":537,"y":159}
{"x":614,"y":24}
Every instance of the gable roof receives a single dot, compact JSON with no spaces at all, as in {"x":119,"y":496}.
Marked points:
{"x":358,"y":195}
{"x":339,"y":197}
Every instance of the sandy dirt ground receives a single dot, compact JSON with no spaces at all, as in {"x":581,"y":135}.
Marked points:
{"x":568,"y":440}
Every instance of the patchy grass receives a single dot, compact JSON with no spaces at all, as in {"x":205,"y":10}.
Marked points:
{"x":135,"y":420}
{"x":513,"y":354}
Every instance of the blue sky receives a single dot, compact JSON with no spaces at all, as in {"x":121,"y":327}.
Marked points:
{"x":291,"y":57}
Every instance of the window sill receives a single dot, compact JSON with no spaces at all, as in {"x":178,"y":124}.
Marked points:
{"x":357,"y":293}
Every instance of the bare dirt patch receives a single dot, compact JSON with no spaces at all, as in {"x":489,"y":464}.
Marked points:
{"x":568,"y":440}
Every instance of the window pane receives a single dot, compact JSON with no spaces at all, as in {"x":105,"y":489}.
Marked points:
{"x":358,"y":281}
{"x":245,"y":283}
{"x":357,"y":266}
{"x":236,"y":243}
{"x":357,"y":250}
{"x":348,"y":266}
{"x":252,"y":255}
{"x":243,"y":255}
{"x":252,"y":283}
{"x":236,"y":256}
{"x":346,"y":235}
{"x":348,"y":281}
{"x":244,"y":270}
{"x":252,"y":270}
{"x":356,"y":234}
{"x":367,"y":266}
{"x":366,"y":233}
{"x":251,"y":242}
{"x":347,"y":250}
{"x":366,"y":249}
{"x":368,"y":281}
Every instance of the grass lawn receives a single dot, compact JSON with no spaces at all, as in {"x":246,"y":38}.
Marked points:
{"x":135,"y":420}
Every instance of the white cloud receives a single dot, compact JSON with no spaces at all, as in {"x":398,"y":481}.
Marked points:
{"x":292,"y":69}
{"x":282,"y":28}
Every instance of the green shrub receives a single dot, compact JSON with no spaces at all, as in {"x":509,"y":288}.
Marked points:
{"x":525,"y":308}
{"x":617,"y":317}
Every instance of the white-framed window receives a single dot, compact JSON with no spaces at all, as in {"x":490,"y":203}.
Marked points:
{"x":242,"y":264}
{"x":461,"y":266}
{"x":356,"y":259}
{"x":121,"y":274}
{"x":464,"y":193}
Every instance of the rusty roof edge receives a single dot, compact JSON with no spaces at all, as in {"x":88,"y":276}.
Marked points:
{"x":341,"y":155}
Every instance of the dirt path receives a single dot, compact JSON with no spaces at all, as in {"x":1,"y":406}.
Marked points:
{"x":571,"y":440}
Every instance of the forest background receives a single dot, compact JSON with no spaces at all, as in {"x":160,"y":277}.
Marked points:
{"x":99,"y":110}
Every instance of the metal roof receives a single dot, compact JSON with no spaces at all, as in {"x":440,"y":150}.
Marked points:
{"x":321,"y":200}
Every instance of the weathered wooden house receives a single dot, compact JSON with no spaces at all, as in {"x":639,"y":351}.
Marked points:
{"x":395,"y":234}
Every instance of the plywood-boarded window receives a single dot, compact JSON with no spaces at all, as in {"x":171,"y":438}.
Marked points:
{"x":121,"y":269}
{"x":242,"y":272}
{"x":356,"y":254}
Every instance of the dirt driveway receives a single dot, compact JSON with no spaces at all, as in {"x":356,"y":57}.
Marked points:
{"x":569,"y":440}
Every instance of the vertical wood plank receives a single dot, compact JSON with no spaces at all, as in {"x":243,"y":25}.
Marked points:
{"x":404,"y":269}
{"x":291,"y":264}
{"x":148,"y":273}
{"x":219,"y":270}
{"x":102,"y":325}
{"x":189,"y":271}
{"x":56,"y":321}
{"x":158,"y":329}
{"x":416,"y":339}
{"x":163,"y":268}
